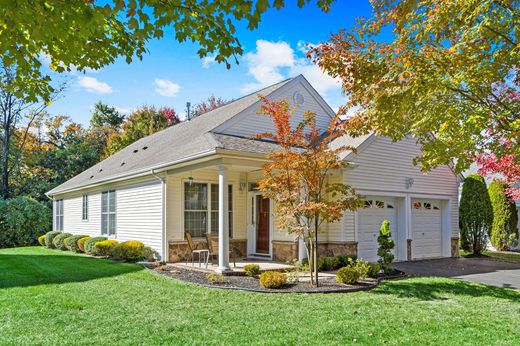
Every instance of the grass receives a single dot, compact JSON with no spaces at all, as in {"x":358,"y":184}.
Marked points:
{"x":50,"y":297}
{"x":513,"y":257}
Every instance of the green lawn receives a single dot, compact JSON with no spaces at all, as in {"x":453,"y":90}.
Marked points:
{"x":501,"y":256}
{"x":48,"y":297}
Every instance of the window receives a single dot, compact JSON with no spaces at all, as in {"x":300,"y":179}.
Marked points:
{"x":108,"y":212}
{"x":201,"y":209}
{"x":58,"y":214}
{"x":85,"y":208}
{"x":380,"y":204}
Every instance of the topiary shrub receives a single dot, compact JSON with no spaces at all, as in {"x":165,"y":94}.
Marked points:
{"x":373,"y":270}
{"x":59,"y":241}
{"x":49,"y":237}
{"x":504,"y":232}
{"x":22,"y":221}
{"x":475,"y":214}
{"x":347,"y":275}
{"x":89,"y":244}
{"x":71,"y":243}
{"x":271,"y":279}
{"x":252,"y":269}
{"x":81,"y":243}
{"x":105,"y":247}
{"x":386,"y":244}
{"x":41,"y":240}
{"x":131,"y":250}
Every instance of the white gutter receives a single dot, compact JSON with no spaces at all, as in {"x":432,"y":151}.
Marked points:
{"x":137,"y":173}
{"x":164,"y":249}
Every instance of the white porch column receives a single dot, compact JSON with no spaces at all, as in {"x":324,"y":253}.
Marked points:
{"x":223,"y":232}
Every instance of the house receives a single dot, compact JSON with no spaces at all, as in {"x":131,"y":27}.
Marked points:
{"x":200,"y":176}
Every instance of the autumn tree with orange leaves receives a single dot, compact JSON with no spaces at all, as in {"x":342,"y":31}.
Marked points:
{"x":297,"y":176}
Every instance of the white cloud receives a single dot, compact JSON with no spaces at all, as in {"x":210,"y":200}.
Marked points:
{"x":273,"y":62}
{"x":92,"y":85}
{"x":208,"y":61}
{"x":166,"y":88}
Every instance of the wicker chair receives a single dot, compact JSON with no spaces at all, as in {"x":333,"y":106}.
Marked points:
{"x":193,"y":250}
{"x":213,"y":249}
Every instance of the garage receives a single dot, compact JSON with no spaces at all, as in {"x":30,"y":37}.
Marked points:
{"x":426,"y":228}
{"x":374,"y":212}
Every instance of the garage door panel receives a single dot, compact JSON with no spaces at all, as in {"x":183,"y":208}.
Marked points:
{"x":426,"y":228}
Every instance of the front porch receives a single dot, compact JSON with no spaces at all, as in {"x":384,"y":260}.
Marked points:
{"x":238,"y":270}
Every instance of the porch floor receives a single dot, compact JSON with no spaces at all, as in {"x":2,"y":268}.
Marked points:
{"x":265,"y":265}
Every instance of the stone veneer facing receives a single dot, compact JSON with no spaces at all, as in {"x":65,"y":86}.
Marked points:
{"x":286,"y":251}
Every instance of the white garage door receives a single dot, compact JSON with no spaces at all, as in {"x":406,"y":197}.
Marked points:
{"x":426,"y":228}
{"x":375,"y":211}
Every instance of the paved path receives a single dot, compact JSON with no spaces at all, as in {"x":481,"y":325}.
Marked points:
{"x":490,"y":272}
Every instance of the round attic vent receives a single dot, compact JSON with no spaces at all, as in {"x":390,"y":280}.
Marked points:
{"x":298,"y":98}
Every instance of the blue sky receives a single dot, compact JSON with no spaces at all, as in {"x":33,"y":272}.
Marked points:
{"x":172,"y":73}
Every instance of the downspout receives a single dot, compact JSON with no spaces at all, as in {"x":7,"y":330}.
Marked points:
{"x":164,"y":252}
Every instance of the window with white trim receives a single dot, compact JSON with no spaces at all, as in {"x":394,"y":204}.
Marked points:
{"x":58,"y":214}
{"x":108,"y":212}
{"x":201,"y":209}
{"x":85,"y":208}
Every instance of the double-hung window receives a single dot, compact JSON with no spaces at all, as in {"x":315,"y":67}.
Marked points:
{"x":108,"y":212}
{"x":201,"y":209}
{"x":58,"y":214}
{"x":85,"y":208}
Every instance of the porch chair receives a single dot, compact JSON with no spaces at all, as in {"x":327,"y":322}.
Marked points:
{"x":193,"y":250}
{"x":213,"y":249}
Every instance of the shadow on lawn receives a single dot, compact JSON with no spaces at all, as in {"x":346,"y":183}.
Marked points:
{"x":440,"y":290}
{"x":20,"y":270}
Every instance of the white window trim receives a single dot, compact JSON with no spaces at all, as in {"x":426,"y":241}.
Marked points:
{"x":84,"y":207}
{"x":208,"y":225}
{"x":108,"y":213}
{"x":59,"y":213}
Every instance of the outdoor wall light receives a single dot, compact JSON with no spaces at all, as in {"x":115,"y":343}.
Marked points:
{"x":190,"y":180}
{"x":409,"y":182}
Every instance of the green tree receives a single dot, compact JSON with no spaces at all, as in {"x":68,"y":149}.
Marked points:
{"x":386,"y":244}
{"x":445,"y":76}
{"x":475,"y":214}
{"x":143,"y":122}
{"x":504,"y":232}
{"x":81,"y":34}
{"x":105,"y":121}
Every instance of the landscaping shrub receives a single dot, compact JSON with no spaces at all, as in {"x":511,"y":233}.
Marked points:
{"x":252,"y":269}
{"x":504,"y":233}
{"x":81,"y":243}
{"x":59,"y":241}
{"x":273,"y":279}
{"x":105,"y":247}
{"x":49,"y":237}
{"x":361,"y":266}
{"x":475,"y":214}
{"x":292,"y":277}
{"x":71,"y":243}
{"x":22,"y":221}
{"x":89,"y":244}
{"x":386,"y":244}
{"x":327,"y":263}
{"x":131,"y":250}
{"x":41,"y":240}
{"x":215,"y":278}
{"x":347,"y":275}
{"x":373,"y":269}
{"x":149,"y":254}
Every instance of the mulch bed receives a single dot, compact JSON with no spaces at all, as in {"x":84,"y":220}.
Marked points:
{"x":246,"y":283}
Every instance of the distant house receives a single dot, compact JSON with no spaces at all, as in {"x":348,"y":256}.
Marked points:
{"x":169,"y":183}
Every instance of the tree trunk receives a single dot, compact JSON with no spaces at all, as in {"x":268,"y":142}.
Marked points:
{"x":316,"y":222}
{"x":311,"y":260}
{"x":5,"y":164}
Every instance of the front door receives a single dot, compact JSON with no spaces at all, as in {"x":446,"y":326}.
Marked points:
{"x":262,"y":224}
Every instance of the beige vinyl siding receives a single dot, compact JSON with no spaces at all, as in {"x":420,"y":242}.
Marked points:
{"x":384,"y":166}
{"x":138,"y":211}
{"x":175,"y":201}
{"x":250,"y":123}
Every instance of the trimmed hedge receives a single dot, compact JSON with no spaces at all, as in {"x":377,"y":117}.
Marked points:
{"x":71,"y":243}
{"x":81,"y":243}
{"x":133,"y":251}
{"x":49,"y":237}
{"x":252,"y":269}
{"x":475,"y":214}
{"x":22,"y":221}
{"x":89,"y":244}
{"x":41,"y":240}
{"x":272,"y":279}
{"x":59,"y":241}
{"x":504,"y":232}
{"x":105,"y":247}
